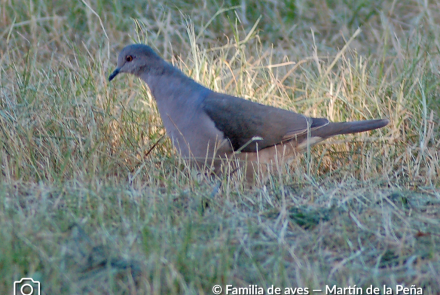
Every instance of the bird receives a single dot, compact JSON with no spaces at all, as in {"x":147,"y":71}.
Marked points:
{"x":211,"y":128}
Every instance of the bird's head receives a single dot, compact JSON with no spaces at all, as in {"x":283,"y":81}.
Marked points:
{"x":137,"y":59}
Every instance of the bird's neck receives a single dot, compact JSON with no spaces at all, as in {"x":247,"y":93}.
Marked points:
{"x":172,"y":86}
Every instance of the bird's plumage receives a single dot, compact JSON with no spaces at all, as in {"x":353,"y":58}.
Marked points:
{"x":240,"y":120}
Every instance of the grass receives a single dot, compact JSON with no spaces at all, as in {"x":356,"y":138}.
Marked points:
{"x":84,"y":210}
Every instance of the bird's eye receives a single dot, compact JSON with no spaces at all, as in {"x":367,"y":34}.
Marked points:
{"x":129,"y":58}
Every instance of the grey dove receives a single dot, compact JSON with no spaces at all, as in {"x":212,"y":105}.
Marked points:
{"x":210,"y":127}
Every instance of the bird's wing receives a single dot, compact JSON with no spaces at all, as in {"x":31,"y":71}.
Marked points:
{"x":241,"y":120}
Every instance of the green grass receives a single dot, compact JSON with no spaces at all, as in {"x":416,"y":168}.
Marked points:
{"x":85,"y":209}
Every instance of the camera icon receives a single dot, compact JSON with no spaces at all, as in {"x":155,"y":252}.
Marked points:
{"x":26,"y":286}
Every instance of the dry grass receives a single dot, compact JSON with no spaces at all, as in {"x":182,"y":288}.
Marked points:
{"x":84,"y":211}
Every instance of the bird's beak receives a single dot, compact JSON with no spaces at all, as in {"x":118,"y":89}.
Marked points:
{"x":113,"y":75}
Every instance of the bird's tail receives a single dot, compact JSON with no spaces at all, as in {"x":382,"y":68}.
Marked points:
{"x":333,"y":129}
